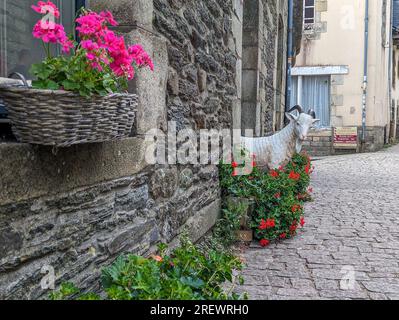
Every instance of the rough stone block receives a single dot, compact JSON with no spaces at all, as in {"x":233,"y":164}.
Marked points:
{"x":127,"y":12}
{"x":200,"y":223}
{"x":151,"y":86}
{"x":202,"y":80}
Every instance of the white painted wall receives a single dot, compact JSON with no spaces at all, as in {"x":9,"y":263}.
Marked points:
{"x":342,"y":44}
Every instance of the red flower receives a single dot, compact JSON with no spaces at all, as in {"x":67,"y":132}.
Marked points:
{"x":274,"y":173}
{"x":300,"y":196}
{"x":267,"y":224}
{"x":271,"y":223}
{"x":294,"y":176}
{"x":235,"y":174}
{"x":310,"y":190}
{"x":264,"y":242}
{"x":307,"y":169}
{"x":253,"y":164}
{"x":302,"y":221}
{"x":296,"y":208}
{"x":283,"y":236}
{"x":263,"y":225}
{"x":234,"y":164}
{"x":281,"y":168}
{"x":277,"y":195}
{"x":294,"y":227}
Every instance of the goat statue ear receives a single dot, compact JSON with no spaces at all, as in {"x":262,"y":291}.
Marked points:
{"x":291,"y":116}
{"x":316,"y":121}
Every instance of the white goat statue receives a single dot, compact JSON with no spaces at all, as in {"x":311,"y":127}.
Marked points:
{"x":277,"y":150}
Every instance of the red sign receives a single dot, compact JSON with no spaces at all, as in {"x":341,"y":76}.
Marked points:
{"x":345,"y":137}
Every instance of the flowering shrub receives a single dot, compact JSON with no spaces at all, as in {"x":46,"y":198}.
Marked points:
{"x":279,"y":195}
{"x":101,"y":63}
{"x":188,"y":273}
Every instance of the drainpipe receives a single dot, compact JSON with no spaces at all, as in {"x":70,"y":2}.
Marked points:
{"x":365,"y":79}
{"x":390,"y":66}
{"x":290,"y":53}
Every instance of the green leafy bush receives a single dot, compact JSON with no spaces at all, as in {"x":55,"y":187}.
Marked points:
{"x":188,"y":273}
{"x":225,"y":231}
{"x":279,"y":195}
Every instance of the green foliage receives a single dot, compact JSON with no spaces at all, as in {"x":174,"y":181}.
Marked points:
{"x":226,"y":228}
{"x":188,"y":273}
{"x":279,"y":195}
{"x":75,"y":74}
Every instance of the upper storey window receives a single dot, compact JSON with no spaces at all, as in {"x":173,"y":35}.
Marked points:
{"x":309,"y":12}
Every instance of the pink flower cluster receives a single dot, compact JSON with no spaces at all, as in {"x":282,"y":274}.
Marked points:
{"x":48,"y":30}
{"x":103,"y":46}
{"x":44,"y":8}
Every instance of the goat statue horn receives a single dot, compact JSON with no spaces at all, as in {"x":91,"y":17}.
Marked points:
{"x":298,"y":108}
{"x":312,"y":113}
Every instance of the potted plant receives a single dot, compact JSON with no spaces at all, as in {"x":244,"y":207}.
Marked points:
{"x":80,"y":96}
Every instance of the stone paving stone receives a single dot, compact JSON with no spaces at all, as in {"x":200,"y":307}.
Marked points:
{"x":352,"y":225}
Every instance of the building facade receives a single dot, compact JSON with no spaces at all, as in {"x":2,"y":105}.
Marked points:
{"x":77,"y":209}
{"x":337,"y":54}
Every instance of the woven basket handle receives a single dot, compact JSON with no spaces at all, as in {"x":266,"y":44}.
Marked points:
{"x":21,"y":77}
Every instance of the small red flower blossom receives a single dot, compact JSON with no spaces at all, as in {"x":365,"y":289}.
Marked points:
{"x":274,"y":173}
{"x":307,"y":169}
{"x":296,"y":208}
{"x":234,"y":164}
{"x":310,"y":190}
{"x":283,"y":236}
{"x":294,"y":176}
{"x":277,"y":195}
{"x":294,"y":227}
{"x":235,"y":174}
{"x":267,"y":224}
{"x":253,"y":164}
{"x":264,"y":242}
{"x":302,"y":221}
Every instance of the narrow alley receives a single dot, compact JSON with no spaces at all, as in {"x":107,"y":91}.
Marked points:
{"x":349,"y":248}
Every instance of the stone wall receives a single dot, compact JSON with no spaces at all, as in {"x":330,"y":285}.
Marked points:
{"x":202,"y":64}
{"x":320,"y":142}
{"x":264,"y":65}
{"x":77,"y":210}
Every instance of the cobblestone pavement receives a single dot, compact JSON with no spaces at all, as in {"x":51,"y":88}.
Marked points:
{"x":352,"y":229}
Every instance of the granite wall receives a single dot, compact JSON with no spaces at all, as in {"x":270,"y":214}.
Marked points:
{"x":77,"y":209}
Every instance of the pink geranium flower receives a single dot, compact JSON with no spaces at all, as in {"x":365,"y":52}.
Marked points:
{"x":44,"y":8}
{"x":103,"y":49}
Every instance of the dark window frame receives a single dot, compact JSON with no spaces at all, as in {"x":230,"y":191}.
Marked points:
{"x":309,"y":20}
{"x":3,"y":111}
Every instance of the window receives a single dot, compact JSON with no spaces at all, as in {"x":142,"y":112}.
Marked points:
{"x":313,"y":92}
{"x":18,"y":49}
{"x":309,"y":12}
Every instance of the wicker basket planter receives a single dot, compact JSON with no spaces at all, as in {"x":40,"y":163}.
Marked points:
{"x":61,"y":118}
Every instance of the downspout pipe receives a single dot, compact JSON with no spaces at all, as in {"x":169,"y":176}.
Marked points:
{"x":365,"y":72}
{"x":290,"y":53}
{"x":390,"y":65}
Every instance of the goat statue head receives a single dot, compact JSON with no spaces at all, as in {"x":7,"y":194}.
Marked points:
{"x":303,"y":122}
